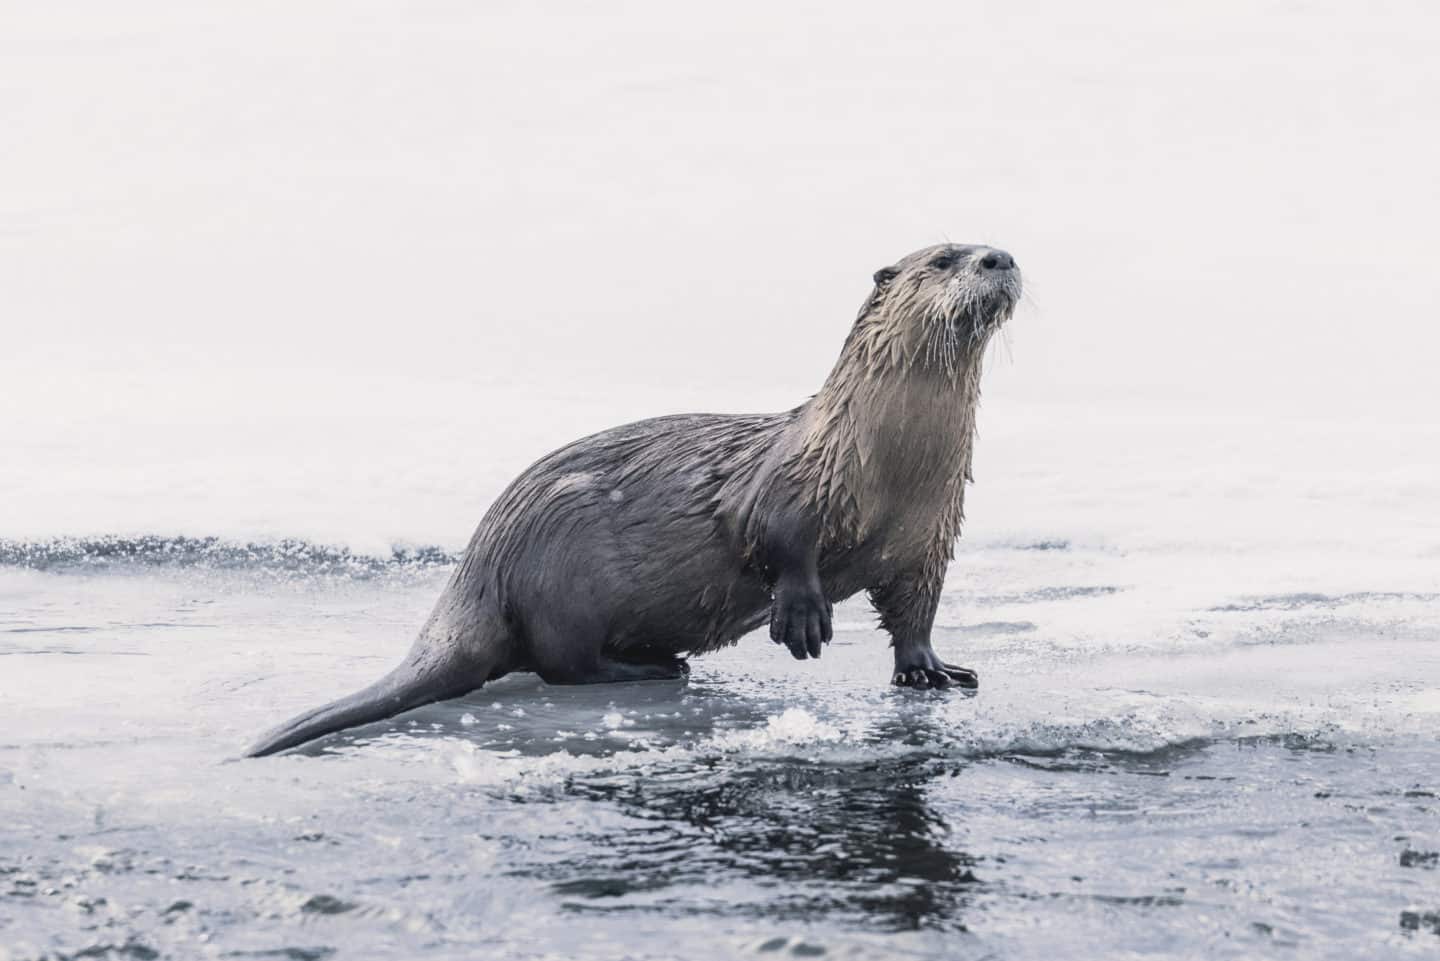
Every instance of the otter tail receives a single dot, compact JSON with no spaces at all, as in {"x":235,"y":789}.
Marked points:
{"x":425,"y":677}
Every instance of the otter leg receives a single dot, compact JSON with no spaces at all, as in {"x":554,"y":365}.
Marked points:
{"x":800,"y":611}
{"x":573,"y":651}
{"x":608,"y":670}
{"x":653,"y":656}
{"x":907,"y":606}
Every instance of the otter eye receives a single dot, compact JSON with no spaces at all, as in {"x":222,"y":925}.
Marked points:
{"x":943,"y":262}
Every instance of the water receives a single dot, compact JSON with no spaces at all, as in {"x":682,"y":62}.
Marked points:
{"x":1261,"y":783}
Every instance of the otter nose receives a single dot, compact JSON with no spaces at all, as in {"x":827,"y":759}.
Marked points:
{"x":997,"y":260}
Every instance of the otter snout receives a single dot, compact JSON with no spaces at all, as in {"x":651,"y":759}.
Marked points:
{"x":995,"y":286}
{"x":997,"y":260}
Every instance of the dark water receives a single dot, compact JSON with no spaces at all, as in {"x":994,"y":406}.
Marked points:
{"x":1264,"y":783}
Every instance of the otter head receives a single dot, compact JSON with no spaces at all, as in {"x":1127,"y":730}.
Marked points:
{"x":947,"y":298}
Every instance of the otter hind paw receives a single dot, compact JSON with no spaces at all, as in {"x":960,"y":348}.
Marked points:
{"x":934,"y":673}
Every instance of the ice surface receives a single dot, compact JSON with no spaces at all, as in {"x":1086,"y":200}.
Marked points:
{"x":1257,"y":779}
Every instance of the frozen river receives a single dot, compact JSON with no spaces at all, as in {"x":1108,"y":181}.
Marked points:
{"x":1261,"y":783}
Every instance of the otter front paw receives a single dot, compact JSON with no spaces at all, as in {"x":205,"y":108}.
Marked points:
{"x":800,"y":619}
{"x":920,"y":668}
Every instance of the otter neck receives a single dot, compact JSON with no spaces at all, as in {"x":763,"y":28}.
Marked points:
{"x":887,"y":440}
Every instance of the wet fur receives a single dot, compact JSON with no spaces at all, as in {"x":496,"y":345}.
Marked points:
{"x":617,"y":555}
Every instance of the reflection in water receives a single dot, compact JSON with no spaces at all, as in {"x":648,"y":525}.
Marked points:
{"x":814,"y":839}
{"x":710,"y":832}
{"x":785,"y":838}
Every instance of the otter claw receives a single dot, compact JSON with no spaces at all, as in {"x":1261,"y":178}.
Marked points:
{"x":963,"y":676}
{"x":921,"y":679}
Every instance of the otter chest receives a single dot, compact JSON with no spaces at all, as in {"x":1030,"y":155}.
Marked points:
{"x":911,"y":482}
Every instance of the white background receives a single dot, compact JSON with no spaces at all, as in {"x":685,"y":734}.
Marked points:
{"x":340,"y":270}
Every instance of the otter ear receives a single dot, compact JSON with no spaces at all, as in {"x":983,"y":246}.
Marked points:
{"x":884,"y":275}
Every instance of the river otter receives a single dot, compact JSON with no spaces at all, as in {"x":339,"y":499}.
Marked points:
{"x":613,"y":557}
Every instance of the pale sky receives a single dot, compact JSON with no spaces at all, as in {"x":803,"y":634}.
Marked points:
{"x":256,"y":259}
{"x":1241,"y":195}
